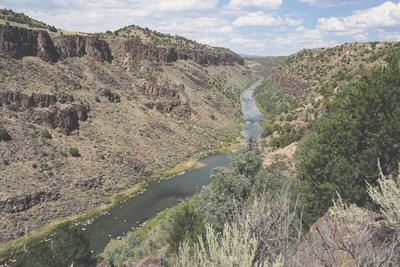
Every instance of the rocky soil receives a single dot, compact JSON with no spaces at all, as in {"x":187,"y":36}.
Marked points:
{"x":129,"y":109}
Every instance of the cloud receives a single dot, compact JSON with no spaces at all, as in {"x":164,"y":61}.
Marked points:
{"x":389,"y":36}
{"x":195,"y":25}
{"x":248,"y":43}
{"x":302,"y":38}
{"x":266,"y":4}
{"x":360,"y":37}
{"x":262,"y":19}
{"x":328,"y":3}
{"x":186,"y":5}
{"x":384,"y":16}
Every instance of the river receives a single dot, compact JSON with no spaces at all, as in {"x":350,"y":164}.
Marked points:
{"x":168,"y":193}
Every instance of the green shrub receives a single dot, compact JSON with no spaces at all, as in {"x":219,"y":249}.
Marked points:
{"x":360,"y":126}
{"x":4,"y":135}
{"x":187,"y":226}
{"x":45,"y":134}
{"x":67,"y":246}
{"x":74,"y":152}
{"x":287,"y":135}
{"x":228,"y":188}
{"x":387,"y":195}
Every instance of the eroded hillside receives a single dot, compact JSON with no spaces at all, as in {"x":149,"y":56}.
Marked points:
{"x":296,"y":88}
{"x":89,"y":116}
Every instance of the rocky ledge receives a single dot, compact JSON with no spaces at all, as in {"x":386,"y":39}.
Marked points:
{"x":79,"y":46}
{"x":134,"y":51}
{"x":60,"y":112}
{"x":16,"y":42}
{"x":166,"y":98}
{"x":24,"y":202}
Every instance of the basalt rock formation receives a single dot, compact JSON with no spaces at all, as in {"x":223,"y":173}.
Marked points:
{"x":79,"y":46}
{"x":64,"y":118}
{"x":18,"y":100}
{"x":18,"y":42}
{"x":21,"y":203}
{"x":137,"y":51}
{"x":206,"y":58}
{"x":132,"y":103}
{"x":166,"y":98}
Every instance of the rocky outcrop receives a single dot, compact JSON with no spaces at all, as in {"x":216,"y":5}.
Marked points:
{"x":21,"y":203}
{"x":166,"y":98}
{"x":206,"y":57}
{"x":137,"y":51}
{"x":79,"y":46}
{"x":65,"y":119}
{"x":18,"y":100}
{"x":18,"y":42}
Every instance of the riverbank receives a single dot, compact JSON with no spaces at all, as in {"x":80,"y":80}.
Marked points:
{"x":35,"y":237}
{"x":28,"y":241}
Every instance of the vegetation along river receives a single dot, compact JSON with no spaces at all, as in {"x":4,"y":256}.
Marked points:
{"x":168,"y":193}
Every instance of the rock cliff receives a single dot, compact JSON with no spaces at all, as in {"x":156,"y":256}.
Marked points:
{"x":136,"y":51}
{"x":64,"y":117}
{"x":18,"y":42}
{"x":157,"y":103}
{"x":79,"y":46}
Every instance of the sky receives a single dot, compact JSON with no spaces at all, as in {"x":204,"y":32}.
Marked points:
{"x":251,"y":27}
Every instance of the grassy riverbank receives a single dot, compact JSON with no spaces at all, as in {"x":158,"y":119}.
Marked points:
{"x":33,"y":239}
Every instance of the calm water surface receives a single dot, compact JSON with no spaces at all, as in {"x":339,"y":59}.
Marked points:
{"x":168,"y":193}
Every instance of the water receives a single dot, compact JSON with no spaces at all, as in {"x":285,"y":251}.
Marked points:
{"x":168,"y":193}
{"x":142,"y":207}
{"x":251,"y":128}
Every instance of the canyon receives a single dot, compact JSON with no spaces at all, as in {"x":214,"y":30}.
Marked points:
{"x":92,"y":115}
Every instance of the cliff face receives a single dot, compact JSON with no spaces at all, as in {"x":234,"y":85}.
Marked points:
{"x":137,"y":51}
{"x":47,"y":110}
{"x":154,"y":105}
{"x":20,"y":42}
{"x":79,"y":46}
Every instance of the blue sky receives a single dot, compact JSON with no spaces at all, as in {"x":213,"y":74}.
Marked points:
{"x":253,"y":27}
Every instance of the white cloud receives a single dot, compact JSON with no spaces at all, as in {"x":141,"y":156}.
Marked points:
{"x":267,"y":4}
{"x":248,"y":43}
{"x":195,"y":25}
{"x":328,"y":3}
{"x":302,"y":38}
{"x":384,"y":16}
{"x":186,"y":5}
{"x":262,"y":19}
{"x":360,"y":37}
{"x":389,"y":36}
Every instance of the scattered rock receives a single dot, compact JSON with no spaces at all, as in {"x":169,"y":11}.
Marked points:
{"x":22,"y":203}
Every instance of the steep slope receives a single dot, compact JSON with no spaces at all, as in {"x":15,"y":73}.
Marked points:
{"x":89,"y":116}
{"x":296,"y":88}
